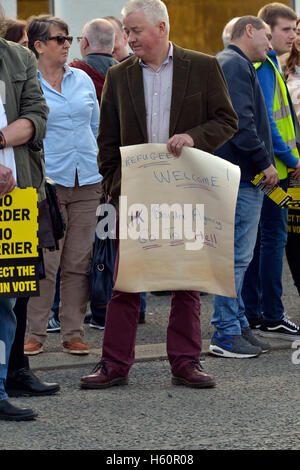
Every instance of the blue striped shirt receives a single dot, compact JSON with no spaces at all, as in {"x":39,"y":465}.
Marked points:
{"x":158,"y":94}
{"x":71,"y":140}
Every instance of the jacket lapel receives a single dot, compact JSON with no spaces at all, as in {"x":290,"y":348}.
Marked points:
{"x":181,"y":69}
{"x":136,"y":90}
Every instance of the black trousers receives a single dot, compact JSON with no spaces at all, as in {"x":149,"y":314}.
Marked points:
{"x":17,"y":359}
{"x":292,"y":248}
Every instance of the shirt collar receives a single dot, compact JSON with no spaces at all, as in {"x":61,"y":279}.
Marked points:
{"x":239,"y":51}
{"x":68,"y":71}
{"x":166,"y":61}
{"x":100,"y":53}
{"x":273,"y":54}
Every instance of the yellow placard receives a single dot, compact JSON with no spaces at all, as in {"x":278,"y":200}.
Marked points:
{"x":19,"y":257}
{"x":18,"y":224}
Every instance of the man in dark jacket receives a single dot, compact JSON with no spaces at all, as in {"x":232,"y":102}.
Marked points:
{"x":250,"y":149}
{"x":193,"y":109}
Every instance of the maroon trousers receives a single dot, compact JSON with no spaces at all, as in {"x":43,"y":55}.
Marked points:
{"x":183,"y":332}
{"x":122,"y":315}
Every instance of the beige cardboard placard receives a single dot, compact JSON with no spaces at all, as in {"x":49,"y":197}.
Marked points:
{"x":190,"y":247}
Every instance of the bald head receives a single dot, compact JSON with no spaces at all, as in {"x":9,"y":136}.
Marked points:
{"x":121,"y":40}
{"x":227,"y":31}
{"x":98,"y":36}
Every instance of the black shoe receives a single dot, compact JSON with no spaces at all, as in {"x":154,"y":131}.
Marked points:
{"x":9,"y":412}
{"x":247,"y":333}
{"x":87,"y":319}
{"x":283,"y":329}
{"x":53,"y":325}
{"x":23,"y":383}
{"x":95,"y":324}
{"x":255,"y":323}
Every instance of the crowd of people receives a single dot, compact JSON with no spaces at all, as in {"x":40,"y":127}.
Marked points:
{"x":241,"y":105}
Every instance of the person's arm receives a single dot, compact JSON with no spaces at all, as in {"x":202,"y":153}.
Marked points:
{"x":178,"y":141}
{"x":33,"y":108}
{"x":7,"y":181}
{"x":109,"y":141}
{"x":266,"y":77}
{"x":271,"y":176}
{"x":18,"y":132}
{"x":95,"y":113}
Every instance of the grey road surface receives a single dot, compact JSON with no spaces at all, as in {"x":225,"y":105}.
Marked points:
{"x":255,"y":405}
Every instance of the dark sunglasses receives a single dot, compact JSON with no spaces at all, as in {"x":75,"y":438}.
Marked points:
{"x":61,"y":39}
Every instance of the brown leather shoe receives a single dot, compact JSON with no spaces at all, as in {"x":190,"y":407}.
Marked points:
{"x":192,"y":375}
{"x":102,"y":376}
{"x":76,"y":346}
{"x":32,"y":347}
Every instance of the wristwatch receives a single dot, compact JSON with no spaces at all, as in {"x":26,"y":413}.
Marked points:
{"x":2,"y":141}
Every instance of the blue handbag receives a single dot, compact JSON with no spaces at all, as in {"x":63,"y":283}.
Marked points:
{"x":102,"y":271}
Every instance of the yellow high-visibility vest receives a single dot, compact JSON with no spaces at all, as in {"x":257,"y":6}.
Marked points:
{"x":283,"y":119}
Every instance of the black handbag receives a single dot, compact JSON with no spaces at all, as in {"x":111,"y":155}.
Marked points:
{"x":102,"y":270}
{"x":56,"y":215}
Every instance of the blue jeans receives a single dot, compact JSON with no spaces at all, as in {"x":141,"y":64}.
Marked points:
{"x":143,"y":302}
{"x":262,"y":289}
{"x":56,"y":300}
{"x":7,"y":333}
{"x":229,"y":313}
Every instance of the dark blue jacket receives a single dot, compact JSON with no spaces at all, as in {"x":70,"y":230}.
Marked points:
{"x":251,"y":147}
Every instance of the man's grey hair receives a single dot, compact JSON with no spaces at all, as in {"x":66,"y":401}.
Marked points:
{"x":154,"y":10}
{"x":240,"y":26}
{"x":227,"y":31}
{"x":100,"y":34}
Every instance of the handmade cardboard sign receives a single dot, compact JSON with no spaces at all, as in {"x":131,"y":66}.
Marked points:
{"x":176,"y":221}
{"x":19,"y":244}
